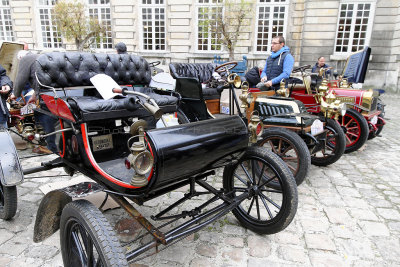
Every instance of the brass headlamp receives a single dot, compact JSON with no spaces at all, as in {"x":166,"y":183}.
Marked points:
{"x":140,"y":158}
{"x":244,"y":95}
{"x":234,"y":79}
{"x":332,"y":107}
{"x":283,"y":91}
{"x":255,"y":127}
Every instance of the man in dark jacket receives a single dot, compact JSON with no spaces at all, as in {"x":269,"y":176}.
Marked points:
{"x":321,"y":64}
{"x":6,"y":86}
{"x":278,"y":66}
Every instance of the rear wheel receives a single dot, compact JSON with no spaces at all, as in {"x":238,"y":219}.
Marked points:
{"x":8,"y":201}
{"x":334,"y":147}
{"x":355,"y":128}
{"x":266,"y":210}
{"x":290,"y":148}
{"x":182,"y":118}
{"x":87,"y":238}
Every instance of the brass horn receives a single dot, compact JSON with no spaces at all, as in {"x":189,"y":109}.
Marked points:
{"x":235,"y":79}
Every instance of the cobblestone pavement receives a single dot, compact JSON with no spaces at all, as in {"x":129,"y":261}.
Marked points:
{"x":348,"y":215}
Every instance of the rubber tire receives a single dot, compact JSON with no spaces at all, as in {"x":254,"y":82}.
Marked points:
{"x":364,"y":130}
{"x":339,"y":149}
{"x":289,"y":189}
{"x":99,"y":229}
{"x":182,"y":118}
{"x":10,"y":199}
{"x":299,"y":145}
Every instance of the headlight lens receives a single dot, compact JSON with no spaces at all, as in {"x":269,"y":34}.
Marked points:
{"x":143,"y":162}
{"x":374,"y":120}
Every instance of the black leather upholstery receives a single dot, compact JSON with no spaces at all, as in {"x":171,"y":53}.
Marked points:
{"x":69,"y":69}
{"x":74,"y":69}
{"x":201,"y":71}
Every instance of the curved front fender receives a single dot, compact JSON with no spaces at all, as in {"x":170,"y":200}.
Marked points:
{"x":49,"y":212}
{"x":10,"y":168}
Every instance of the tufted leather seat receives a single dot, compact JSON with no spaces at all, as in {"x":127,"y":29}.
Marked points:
{"x":69,"y":69}
{"x":201,"y":71}
{"x":74,"y":69}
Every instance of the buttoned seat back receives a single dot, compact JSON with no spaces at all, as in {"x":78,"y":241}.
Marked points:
{"x":70,"y":69}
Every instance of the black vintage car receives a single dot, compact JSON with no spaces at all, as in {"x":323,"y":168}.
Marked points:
{"x":114,"y":142}
{"x":296,"y":136}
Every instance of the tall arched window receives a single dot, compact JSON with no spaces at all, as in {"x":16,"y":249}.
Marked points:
{"x":6,"y":28}
{"x":101,"y":10}
{"x":354,"y":26}
{"x":271,"y":22}
{"x":51,"y":38}
{"x":153,"y":29}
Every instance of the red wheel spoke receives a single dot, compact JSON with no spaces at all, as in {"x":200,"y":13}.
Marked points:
{"x":348,"y":123}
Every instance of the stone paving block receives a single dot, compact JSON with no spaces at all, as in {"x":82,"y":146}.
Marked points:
{"x":207,"y":250}
{"x":31,"y":262}
{"x":319,"y":241}
{"x":234,"y":241}
{"x":389,"y":248}
{"x":5,"y":235}
{"x":379,"y":203}
{"x":235,"y":255}
{"x":361,"y":248}
{"x":363,"y":214}
{"x":259,"y":247}
{"x":4,"y":260}
{"x":389,"y":214}
{"x":315,"y":225}
{"x":257,"y":262}
{"x":355,"y":202}
{"x":179,"y":253}
{"x":233,"y":230}
{"x":374,"y":228}
{"x":349,"y":232}
{"x":293,"y":254}
{"x":289,"y":238}
{"x":394,"y":226}
{"x":13,"y":248}
{"x":348,"y":191}
{"x":363,"y":186}
{"x":201,"y":262}
{"x":337,"y":215}
{"x":326,"y":259}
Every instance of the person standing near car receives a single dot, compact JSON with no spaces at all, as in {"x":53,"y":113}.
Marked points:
{"x":5,"y":91}
{"x":121,"y":48}
{"x":278,"y":65}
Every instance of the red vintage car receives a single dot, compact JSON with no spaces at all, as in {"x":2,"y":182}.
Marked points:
{"x":364,"y":118}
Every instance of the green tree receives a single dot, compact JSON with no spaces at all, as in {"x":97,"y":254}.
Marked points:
{"x":74,"y":25}
{"x":237,"y":14}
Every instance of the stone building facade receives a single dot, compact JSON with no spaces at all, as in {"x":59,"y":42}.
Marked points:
{"x":170,"y":30}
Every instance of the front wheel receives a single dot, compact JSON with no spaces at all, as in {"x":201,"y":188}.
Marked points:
{"x":8,"y":201}
{"x":266,"y":210}
{"x":290,"y":148}
{"x":355,"y":128}
{"x":87,"y":238}
{"x":335,"y":145}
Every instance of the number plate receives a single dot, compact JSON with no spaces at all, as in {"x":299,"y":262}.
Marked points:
{"x":28,"y":109}
{"x":102,"y":142}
